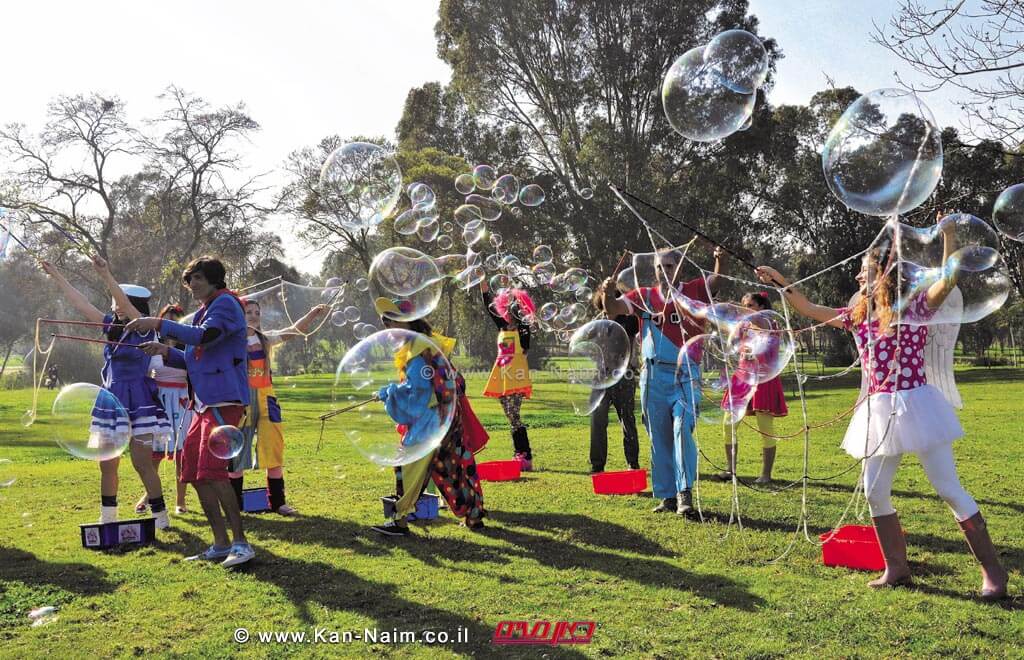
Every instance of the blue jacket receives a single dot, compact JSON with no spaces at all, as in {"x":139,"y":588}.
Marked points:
{"x":217,"y":371}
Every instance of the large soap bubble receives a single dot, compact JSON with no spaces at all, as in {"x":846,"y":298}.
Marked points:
{"x":697,"y":104}
{"x":1008,"y":212}
{"x":976,"y":294}
{"x":418,"y":385}
{"x":739,"y":60}
{"x":977,"y":244}
{"x":761,"y":342}
{"x":531,"y":195}
{"x":405,"y":283}
{"x":361,"y":183}
{"x":226,"y":442}
{"x":724,"y":385}
{"x":599,"y":353}
{"x":884,"y":155}
{"x":506,"y":189}
{"x":90,"y":422}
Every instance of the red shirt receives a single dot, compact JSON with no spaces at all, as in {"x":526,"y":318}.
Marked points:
{"x":679,"y":327}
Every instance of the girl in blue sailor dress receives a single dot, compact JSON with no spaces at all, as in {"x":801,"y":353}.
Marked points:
{"x":125,"y":374}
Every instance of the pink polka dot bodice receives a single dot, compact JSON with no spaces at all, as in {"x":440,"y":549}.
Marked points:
{"x":893,"y":367}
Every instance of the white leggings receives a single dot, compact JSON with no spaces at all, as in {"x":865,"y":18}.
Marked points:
{"x":879,"y":472}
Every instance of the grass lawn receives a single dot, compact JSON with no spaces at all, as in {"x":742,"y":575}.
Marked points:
{"x":657,"y":586}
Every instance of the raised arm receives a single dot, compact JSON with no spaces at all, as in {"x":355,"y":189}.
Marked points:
{"x":488,"y":298}
{"x":73,"y":295}
{"x":714,"y":281}
{"x":938,"y":292}
{"x":301,"y":327}
{"x":799,"y":301}
{"x":119,"y":296}
{"x":612,"y":306}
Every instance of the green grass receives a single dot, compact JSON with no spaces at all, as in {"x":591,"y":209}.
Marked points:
{"x":657,"y":586}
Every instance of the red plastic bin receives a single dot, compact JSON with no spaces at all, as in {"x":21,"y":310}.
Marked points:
{"x":627,"y":482}
{"x":853,"y":546}
{"x":499,"y":470}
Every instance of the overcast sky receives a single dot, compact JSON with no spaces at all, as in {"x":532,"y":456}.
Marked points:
{"x":309,"y":69}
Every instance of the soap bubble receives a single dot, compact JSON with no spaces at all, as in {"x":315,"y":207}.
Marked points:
{"x":492,"y":262}
{"x":473,"y":232}
{"x":697,"y":104}
{"x":571,"y":313}
{"x":484,"y":177}
{"x":428,"y":232}
{"x":542,"y":254}
{"x":1008,"y":213}
{"x":338,"y":319}
{"x":760,"y":341}
{"x":976,"y":293}
{"x":586,"y":193}
{"x":506,"y":189}
{"x":738,"y":59}
{"x":510,"y":263}
{"x":584,"y":294}
{"x":884,"y":155}
{"x":351,"y":313}
{"x":977,"y":244}
{"x":28,"y":418}
{"x":90,"y":422}
{"x":496,"y":240}
{"x":543,"y":273}
{"x":333,"y":282}
{"x":410,"y":221}
{"x":599,"y":353}
{"x":226,"y":442}
{"x":547,"y":311}
{"x":725,"y":383}
{"x":445,"y":242}
{"x":584,"y":400}
{"x":362,"y":284}
{"x":407,"y":280}
{"x":489,"y":209}
{"x":531,"y":195}
{"x":371,"y":365}
{"x":363,"y":330}
{"x":6,"y":480}
{"x":470,"y":277}
{"x":447,"y":227}
{"x":421,"y":193}
{"x":362,"y":183}
{"x":464,"y":183}
{"x":466,"y":214}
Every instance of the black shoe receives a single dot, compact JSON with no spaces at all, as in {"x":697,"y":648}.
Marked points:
{"x":391,"y":528}
{"x":685,"y":506}
{"x":666,"y":506}
{"x":595,"y":470}
{"x":634,"y":466}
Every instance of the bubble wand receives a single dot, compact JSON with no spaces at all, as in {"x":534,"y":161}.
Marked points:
{"x":334,"y":413}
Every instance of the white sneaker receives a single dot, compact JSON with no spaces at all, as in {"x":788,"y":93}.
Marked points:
{"x":162,"y":521}
{"x":108,"y":514}
{"x":240,"y":554}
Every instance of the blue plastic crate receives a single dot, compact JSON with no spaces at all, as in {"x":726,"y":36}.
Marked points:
{"x":255,"y":500}
{"x":102,"y":536}
{"x":427,"y":507}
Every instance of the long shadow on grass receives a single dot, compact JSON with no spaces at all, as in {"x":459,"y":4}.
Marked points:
{"x":927,"y":495}
{"x":84,"y":579}
{"x":306,"y":583}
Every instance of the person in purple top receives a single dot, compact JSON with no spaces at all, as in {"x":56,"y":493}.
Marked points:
{"x":215,"y":359}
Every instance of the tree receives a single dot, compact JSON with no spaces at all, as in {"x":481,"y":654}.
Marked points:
{"x":971,"y":45}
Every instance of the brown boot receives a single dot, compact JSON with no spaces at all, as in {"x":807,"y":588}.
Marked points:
{"x":993,"y":576}
{"x":894,"y":549}
{"x":767,"y":463}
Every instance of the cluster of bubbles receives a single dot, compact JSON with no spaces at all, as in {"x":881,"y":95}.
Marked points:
{"x":396,"y":379}
{"x":709,"y":92}
{"x":884,"y":158}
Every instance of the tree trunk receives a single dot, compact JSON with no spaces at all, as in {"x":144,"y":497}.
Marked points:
{"x":7,"y":355}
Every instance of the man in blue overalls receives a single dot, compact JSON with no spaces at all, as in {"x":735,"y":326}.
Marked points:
{"x":669,"y":379}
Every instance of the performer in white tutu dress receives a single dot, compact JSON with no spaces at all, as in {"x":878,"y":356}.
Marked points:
{"x":902,"y":413}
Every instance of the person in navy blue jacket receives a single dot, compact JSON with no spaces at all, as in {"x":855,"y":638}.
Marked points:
{"x":215,"y":359}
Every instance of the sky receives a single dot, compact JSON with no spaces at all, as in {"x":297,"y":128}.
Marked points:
{"x":310,"y":69}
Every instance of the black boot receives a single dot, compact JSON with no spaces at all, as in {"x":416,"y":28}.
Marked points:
{"x":521,"y":442}
{"x":275,"y":493}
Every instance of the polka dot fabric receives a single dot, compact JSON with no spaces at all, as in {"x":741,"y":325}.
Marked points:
{"x":893,"y":368}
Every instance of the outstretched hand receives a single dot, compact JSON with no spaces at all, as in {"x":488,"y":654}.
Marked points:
{"x":143,"y":325}
{"x":154,"y":348}
{"x":768,"y":275}
{"x":100,"y":264}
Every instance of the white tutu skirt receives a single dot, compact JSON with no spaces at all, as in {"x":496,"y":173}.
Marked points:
{"x":923,"y":420}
